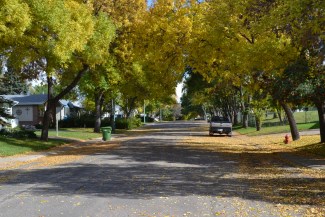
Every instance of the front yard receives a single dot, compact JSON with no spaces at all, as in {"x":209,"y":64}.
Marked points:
{"x":74,"y":133}
{"x":13,"y":146}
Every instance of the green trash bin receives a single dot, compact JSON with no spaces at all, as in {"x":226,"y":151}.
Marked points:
{"x":106,"y":133}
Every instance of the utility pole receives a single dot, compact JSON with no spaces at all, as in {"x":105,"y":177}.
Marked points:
{"x":144,"y":111}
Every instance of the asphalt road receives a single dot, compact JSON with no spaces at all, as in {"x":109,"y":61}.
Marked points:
{"x":147,"y":175}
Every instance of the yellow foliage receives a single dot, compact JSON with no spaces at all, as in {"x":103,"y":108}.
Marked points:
{"x":15,"y":18}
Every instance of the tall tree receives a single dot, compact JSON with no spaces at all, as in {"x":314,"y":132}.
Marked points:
{"x":64,"y":39}
{"x":99,"y":86}
{"x":11,"y":83}
{"x":240,"y":45}
{"x":303,"y":23}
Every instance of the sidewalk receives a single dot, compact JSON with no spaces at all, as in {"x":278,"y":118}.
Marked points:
{"x":309,"y":132}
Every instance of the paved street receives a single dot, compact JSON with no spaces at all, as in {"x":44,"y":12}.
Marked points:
{"x":152,"y":173}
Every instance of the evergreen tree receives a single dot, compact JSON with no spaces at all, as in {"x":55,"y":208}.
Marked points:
{"x":11,"y":83}
{"x":3,"y":111}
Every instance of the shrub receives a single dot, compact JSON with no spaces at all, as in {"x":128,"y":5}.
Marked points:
{"x":85,"y":120}
{"x":38,"y":126}
{"x":4,"y":132}
{"x":129,"y":124}
{"x":67,"y":122}
{"x":19,"y":133}
{"x":148,"y":119}
{"x":105,"y":122}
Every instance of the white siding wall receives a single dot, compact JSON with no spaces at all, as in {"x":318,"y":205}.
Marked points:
{"x":23,"y":113}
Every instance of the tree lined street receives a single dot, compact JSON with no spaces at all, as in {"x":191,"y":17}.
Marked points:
{"x":249,"y":61}
{"x":165,"y":169}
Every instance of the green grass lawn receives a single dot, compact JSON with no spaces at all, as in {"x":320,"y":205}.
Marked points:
{"x":300,"y":117}
{"x":74,"y":133}
{"x":12,"y":146}
{"x":251,"y":131}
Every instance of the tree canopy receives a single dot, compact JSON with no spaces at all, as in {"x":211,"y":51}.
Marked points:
{"x":248,"y":51}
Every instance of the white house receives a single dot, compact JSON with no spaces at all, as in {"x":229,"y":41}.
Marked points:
{"x":29,"y":109}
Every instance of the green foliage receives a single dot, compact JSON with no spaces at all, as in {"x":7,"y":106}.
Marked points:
{"x":11,"y":82}
{"x":128,"y":124}
{"x":19,"y":133}
{"x":85,"y":120}
{"x":39,"y":89}
{"x":3,"y":110}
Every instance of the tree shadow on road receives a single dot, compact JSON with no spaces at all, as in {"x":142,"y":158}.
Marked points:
{"x":146,"y":168}
{"x":160,"y":164}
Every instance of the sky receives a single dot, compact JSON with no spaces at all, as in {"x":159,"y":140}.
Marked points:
{"x":179,"y":91}
{"x":150,"y":2}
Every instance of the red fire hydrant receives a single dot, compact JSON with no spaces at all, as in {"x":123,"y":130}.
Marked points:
{"x":286,"y":139}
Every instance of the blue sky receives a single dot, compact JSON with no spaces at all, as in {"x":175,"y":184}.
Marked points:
{"x":150,"y":2}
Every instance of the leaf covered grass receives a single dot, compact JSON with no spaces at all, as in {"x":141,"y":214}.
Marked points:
{"x":309,"y":144}
{"x":12,"y":146}
{"x":295,"y":190}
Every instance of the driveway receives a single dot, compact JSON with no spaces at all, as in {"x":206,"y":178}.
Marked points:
{"x":159,"y":170}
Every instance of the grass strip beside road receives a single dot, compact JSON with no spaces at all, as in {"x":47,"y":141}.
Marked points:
{"x":251,"y":131}
{"x":74,"y":133}
{"x":309,"y":144}
{"x":12,"y":146}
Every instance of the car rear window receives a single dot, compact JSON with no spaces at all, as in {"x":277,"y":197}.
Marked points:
{"x":220,"y":119}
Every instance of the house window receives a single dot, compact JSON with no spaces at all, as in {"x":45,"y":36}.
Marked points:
{"x":19,"y":112}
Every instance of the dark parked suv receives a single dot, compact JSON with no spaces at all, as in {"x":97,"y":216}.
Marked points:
{"x":220,"y":125}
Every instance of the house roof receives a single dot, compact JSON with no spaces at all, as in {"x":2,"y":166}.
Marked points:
{"x":64,"y":102}
{"x":74,"y":105}
{"x":37,"y":99}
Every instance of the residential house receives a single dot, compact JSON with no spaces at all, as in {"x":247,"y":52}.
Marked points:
{"x":29,"y":109}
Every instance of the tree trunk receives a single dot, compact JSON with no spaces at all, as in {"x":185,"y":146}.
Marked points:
{"x":98,"y":110}
{"x":321,"y":115}
{"x":245,"y":119}
{"x":244,"y":110}
{"x":292,"y":122}
{"x":112,"y":116}
{"x":49,"y":110}
{"x":235,"y":118}
{"x":258,"y":123}
{"x":275,"y":115}
{"x":204,"y":112}
{"x":46,"y":122}
{"x":129,"y":107}
{"x":53,"y":101}
{"x":280,"y":116}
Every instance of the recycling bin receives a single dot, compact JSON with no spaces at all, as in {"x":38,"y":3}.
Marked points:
{"x":106,"y":131}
